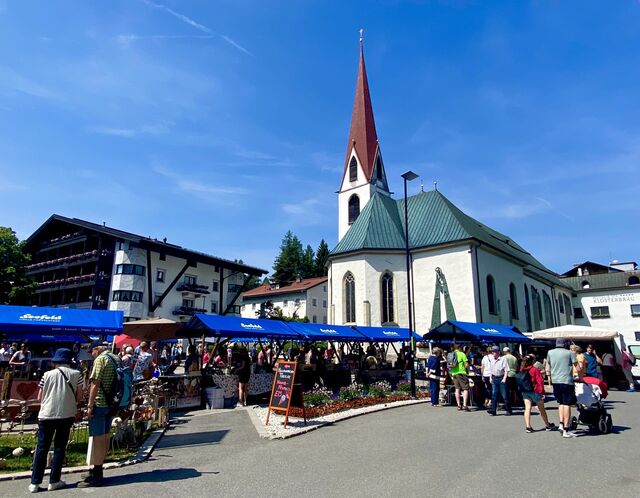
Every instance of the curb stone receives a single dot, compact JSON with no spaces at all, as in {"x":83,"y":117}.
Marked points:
{"x":143,"y":453}
{"x":263,"y":432}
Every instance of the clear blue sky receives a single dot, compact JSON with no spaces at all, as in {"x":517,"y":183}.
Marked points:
{"x":222,"y":124}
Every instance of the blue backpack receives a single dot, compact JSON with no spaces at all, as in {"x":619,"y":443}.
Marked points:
{"x":120,"y":389}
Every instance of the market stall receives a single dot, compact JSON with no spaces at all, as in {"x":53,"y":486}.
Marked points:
{"x":52,"y":327}
{"x":454,"y":332}
{"x":482,"y":333}
{"x":336,"y":372}
{"x":224,"y":329}
{"x":382,"y":339}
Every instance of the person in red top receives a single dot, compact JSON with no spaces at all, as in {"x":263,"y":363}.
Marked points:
{"x":534,"y":397}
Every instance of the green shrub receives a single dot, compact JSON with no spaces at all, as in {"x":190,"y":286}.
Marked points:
{"x":354,"y":391}
{"x":317,"y":397}
{"x":379,"y":389}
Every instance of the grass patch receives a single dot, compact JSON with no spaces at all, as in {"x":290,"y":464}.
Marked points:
{"x":75,"y":456}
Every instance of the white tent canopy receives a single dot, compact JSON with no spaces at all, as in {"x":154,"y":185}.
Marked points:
{"x":576,"y":332}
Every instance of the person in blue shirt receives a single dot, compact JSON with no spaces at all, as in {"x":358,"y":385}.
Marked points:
{"x":593,"y":360}
{"x":434,"y":373}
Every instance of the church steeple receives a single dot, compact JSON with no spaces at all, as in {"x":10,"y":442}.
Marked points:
{"x":363,"y":173}
{"x":362,"y":134}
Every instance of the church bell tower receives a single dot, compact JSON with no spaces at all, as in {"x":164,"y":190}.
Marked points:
{"x":364,"y":171}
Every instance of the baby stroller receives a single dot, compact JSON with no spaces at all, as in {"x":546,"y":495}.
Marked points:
{"x":591,"y":410}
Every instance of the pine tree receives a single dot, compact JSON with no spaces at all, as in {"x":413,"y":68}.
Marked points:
{"x":308,"y":267}
{"x":287,"y":266}
{"x":322,"y":257}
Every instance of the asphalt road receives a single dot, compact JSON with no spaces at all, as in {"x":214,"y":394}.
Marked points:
{"x":413,"y":451}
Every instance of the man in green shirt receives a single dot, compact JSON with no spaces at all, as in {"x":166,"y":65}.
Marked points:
{"x":512,"y":388}
{"x":99,"y":410}
{"x":460,"y":378}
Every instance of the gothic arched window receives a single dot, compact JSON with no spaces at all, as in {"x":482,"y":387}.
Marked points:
{"x":349,"y":298}
{"x":491,"y":295}
{"x":353,"y":170}
{"x":513,"y":301}
{"x":354,"y":208}
{"x":386,"y":295}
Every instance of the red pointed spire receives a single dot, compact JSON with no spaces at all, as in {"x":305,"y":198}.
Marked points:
{"x":363,"y":127}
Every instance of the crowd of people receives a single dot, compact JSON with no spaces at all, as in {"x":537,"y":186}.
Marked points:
{"x":503,"y":375}
{"x":110,"y":388}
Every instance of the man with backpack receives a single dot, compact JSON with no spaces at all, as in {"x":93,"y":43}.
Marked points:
{"x":458,"y":367}
{"x":104,"y":400}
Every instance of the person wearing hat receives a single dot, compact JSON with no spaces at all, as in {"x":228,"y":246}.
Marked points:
{"x":560,"y":363}
{"x":60,"y":390}
{"x":499,"y":372}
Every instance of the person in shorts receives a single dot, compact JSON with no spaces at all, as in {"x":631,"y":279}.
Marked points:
{"x":460,"y":377}
{"x":100,"y":410}
{"x":535,"y":397}
{"x":560,"y":364}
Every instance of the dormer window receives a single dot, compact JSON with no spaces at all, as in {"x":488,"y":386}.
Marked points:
{"x":353,"y":170}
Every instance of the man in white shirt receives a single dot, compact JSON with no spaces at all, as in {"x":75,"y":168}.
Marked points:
{"x":5,"y":352}
{"x":499,"y":373}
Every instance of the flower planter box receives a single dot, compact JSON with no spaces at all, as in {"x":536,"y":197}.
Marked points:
{"x":342,"y":405}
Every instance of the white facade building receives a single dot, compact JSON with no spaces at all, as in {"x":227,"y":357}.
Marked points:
{"x":303,"y":298}
{"x":79,"y":264}
{"x":461,"y":269}
{"x":607,"y":297}
{"x":200,"y":288}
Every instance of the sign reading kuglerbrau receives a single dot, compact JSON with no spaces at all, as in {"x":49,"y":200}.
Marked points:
{"x":283,"y":385}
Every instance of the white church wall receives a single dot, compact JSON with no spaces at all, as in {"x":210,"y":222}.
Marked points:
{"x":456,"y":266}
{"x":504,"y":272}
{"x":455,"y":263}
{"x":375,"y":266}
{"x":357,"y":266}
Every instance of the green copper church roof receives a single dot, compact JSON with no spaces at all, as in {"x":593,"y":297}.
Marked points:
{"x":433,"y":221}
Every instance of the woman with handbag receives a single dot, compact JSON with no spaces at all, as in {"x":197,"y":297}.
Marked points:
{"x":60,"y":388}
{"x":434,"y":373}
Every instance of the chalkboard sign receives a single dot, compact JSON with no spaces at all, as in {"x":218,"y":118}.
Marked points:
{"x":283,"y":385}
{"x":283,"y":390}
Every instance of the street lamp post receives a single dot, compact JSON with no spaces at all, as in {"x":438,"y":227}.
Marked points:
{"x":407,"y":177}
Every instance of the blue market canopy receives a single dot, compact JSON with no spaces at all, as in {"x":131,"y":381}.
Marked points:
{"x":234,"y":327}
{"x":469,"y":331}
{"x":54,"y":321}
{"x":323,"y":332}
{"x":385,"y":334}
{"x":47,"y":338}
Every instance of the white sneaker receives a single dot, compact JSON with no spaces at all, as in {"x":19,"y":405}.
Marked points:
{"x":34,"y":488}
{"x":569,"y":434}
{"x":56,"y":485}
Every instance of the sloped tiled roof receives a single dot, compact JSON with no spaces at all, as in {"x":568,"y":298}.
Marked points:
{"x":287,"y":288}
{"x":144,"y":242}
{"x":433,"y":221}
{"x":600,"y":281}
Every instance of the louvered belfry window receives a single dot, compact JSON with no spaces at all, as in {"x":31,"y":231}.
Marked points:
{"x":354,"y":208}
{"x":353,"y":170}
